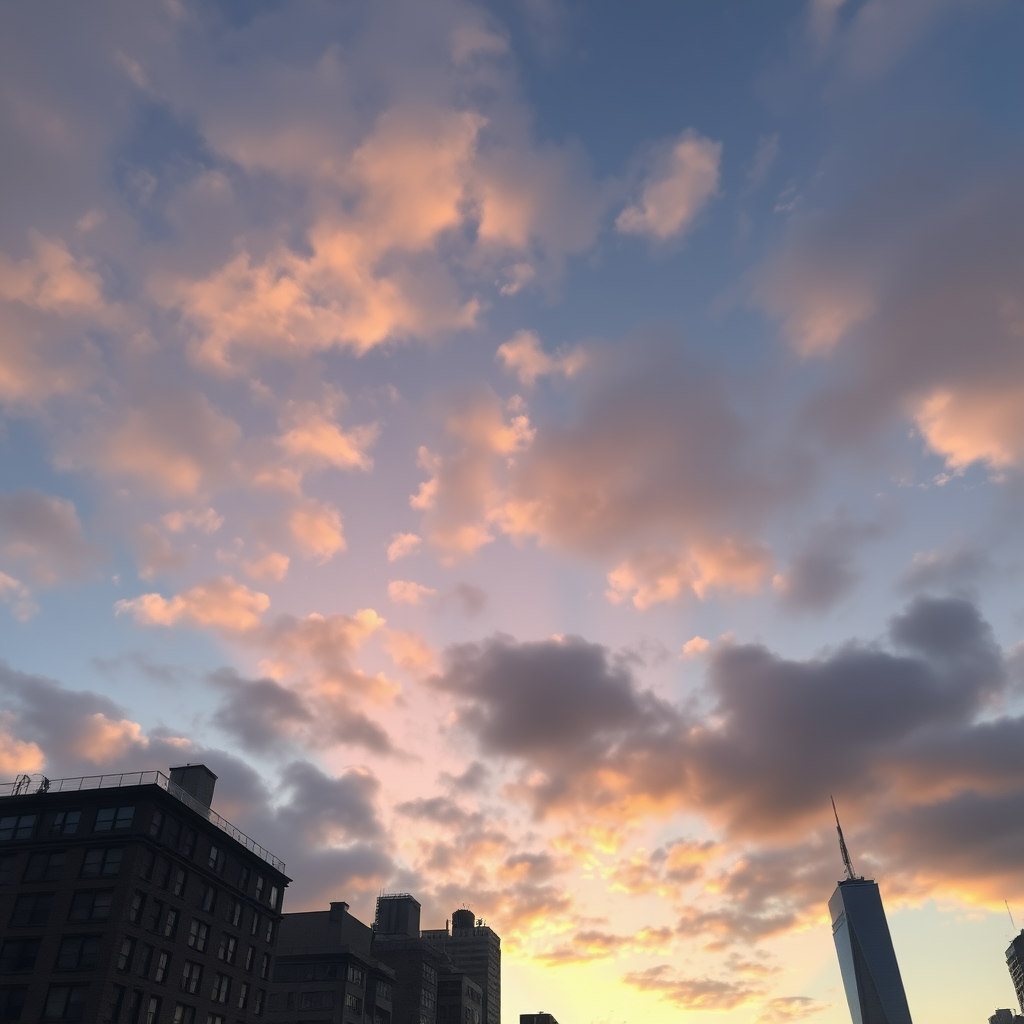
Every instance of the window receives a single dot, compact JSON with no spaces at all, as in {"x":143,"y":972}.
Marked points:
{"x":259,"y":887}
{"x":17,"y":826}
{"x":108,"y":818}
{"x":384,"y":990}
{"x":243,"y":995}
{"x":154,"y":916}
{"x":163,"y":966}
{"x":208,"y":901}
{"x":184,"y":1014}
{"x":179,"y":880}
{"x":152,"y":1009}
{"x":191,"y":977}
{"x":261,"y":998}
{"x":221,"y":988}
{"x":91,"y":905}
{"x":429,"y":976}
{"x":156,"y":823}
{"x":78,"y":953}
{"x":65,"y":823}
{"x":243,"y":879}
{"x":214,"y":858}
{"x":31,"y":910}
{"x":18,"y":955}
{"x":45,"y":867}
{"x":198,"y":933}
{"x":147,"y":864}
{"x":381,"y":1016}
{"x":134,"y":1006}
{"x":103,"y":861}
{"x":188,"y":847}
{"x":353,"y":1003}
{"x":65,"y":1002}
{"x":227,"y":949}
{"x":172,"y":833}
{"x":12,"y":1001}
{"x":269,"y":932}
{"x":171,"y":924}
{"x":265,"y":966}
{"x":162,"y":874}
{"x":215,"y":1018}
{"x":135,"y":907}
{"x":116,"y":1002}
{"x":250,"y":956}
{"x":7,"y":864}
{"x":235,"y":914}
{"x":355,"y":975}
{"x":272,"y":898}
{"x":254,"y":927}
{"x":125,"y":954}
{"x":145,"y":961}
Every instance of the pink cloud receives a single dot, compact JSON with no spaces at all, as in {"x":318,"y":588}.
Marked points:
{"x":219,"y":604}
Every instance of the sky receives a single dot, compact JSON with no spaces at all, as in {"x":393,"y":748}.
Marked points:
{"x":536,"y":452}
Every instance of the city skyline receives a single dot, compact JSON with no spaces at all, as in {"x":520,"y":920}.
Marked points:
{"x":536,"y":452}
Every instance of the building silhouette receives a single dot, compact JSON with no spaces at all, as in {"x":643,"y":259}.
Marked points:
{"x":871,"y":974}
{"x":324,"y":971}
{"x":1015,"y":965}
{"x":537,"y":1018}
{"x":475,"y":950}
{"x":125,"y":899}
{"x":1005,"y":1017}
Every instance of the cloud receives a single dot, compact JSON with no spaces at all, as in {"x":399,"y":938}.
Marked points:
{"x":220,"y":603}
{"x":17,"y":757}
{"x":16,"y":594}
{"x":316,"y":527}
{"x":695,"y":646}
{"x":888,"y":288}
{"x":683,"y":180}
{"x":822,"y":570}
{"x":267,"y":565}
{"x":407,"y":592}
{"x":522,"y":355}
{"x":946,"y":570}
{"x":315,"y":439}
{"x":691,"y":993}
{"x":177,"y":444}
{"x":402,"y":544}
{"x":470,"y":598}
{"x":410,"y":652}
{"x":207,"y":520}
{"x":44,"y":532}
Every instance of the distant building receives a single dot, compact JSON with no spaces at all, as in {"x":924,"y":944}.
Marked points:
{"x":1005,"y":1017}
{"x":417,"y":964}
{"x":475,"y":950}
{"x":459,"y":999}
{"x":537,"y":1018}
{"x":125,"y":899}
{"x":1015,"y":964}
{"x":871,"y":975}
{"x":324,"y":972}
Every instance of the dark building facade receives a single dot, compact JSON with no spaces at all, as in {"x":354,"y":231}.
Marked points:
{"x":460,"y":1000}
{"x":324,"y":972}
{"x":475,"y":950}
{"x":1015,"y":965}
{"x":125,"y":899}
{"x":1005,"y":1017}
{"x":871,"y":975}
{"x":417,"y":964}
{"x":537,"y":1018}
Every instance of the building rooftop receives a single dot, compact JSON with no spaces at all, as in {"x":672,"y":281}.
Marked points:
{"x":26,"y":786}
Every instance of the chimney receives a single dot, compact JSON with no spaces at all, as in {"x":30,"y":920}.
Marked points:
{"x":338,"y":911}
{"x":197,"y":780}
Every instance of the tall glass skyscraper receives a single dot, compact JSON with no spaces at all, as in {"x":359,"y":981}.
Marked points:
{"x":871,"y":975}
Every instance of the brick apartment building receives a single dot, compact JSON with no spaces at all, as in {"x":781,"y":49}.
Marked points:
{"x":125,"y":899}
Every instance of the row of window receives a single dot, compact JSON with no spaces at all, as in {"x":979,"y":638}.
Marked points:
{"x":328,"y":972}
{"x":323,"y":1000}
{"x":64,"y":823}
{"x":185,"y":1014}
{"x":32,"y":910}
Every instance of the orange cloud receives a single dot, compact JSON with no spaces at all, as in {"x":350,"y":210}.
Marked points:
{"x":16,"y":756}
{"x":102,"y":740}
{"x":402,"y":544}
{"x":522,"y":355}
{"x":316,"y":527}
{"x":219,"y":603}
{"x":407,"y":592}
{"x":975,"y":424}
{"x":676,"y":190}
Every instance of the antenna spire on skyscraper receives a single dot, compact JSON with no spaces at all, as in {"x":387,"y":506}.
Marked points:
{"x":842,"y":846}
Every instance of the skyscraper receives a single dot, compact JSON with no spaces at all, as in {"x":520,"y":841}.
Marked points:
{"x":871,"y":975}
{"x":1015,"y":964}
{"x":476,"y":951}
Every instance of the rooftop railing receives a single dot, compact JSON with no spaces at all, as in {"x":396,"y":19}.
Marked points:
{"x":25,"y":785}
